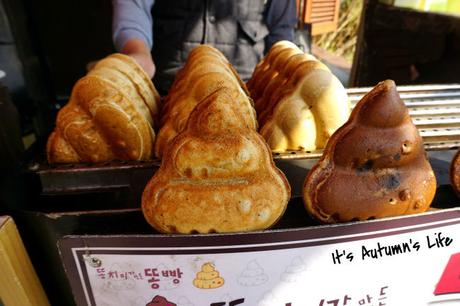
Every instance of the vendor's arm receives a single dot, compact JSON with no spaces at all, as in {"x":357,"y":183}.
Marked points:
{"x":132,"y":31}
{"x":281,"y":18}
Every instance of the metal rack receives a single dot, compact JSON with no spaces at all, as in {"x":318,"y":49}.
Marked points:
{"x":434,"y":109}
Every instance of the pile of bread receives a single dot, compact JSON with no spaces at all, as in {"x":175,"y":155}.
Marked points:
{"x":217,"y":172}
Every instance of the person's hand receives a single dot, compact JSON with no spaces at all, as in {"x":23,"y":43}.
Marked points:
{"x":138,"y":50}
{"x":145,"y":61}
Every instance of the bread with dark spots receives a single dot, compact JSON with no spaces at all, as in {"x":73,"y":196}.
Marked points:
{"x":374,"y":166}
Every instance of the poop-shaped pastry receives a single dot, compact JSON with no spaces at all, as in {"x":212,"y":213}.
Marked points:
{"x":265,"y":64}
{"x":454,"y":173}
{"x":253,"y":275}
{"x":205,"y":71}
{"x":158,"y":300}
{"x":218,"y":175}
{"x":110,"y":115}
{"x":299,"y":102}
{"x":374,"y":166}
{"x":208,"y":278}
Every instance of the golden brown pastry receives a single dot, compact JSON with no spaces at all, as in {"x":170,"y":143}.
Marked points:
{"x":276,"y":66}
{"x":272,"y":88}
{"x":131,"y":79}
{"x":205,"y":71}
{"x":299,"y":102}
{"x":265,"y":63}
{"x":454,"y":173}
{"x":110,"y":115}
{"x":374,"y":166}
{"x":217,"y":175}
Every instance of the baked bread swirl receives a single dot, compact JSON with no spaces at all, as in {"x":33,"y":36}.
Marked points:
{"x":110,"y":115}
{"x":374,"y":166}
{"x":265,"y":64}
{"x":299,"y":102}
{"x":264,"y":102}
{"x":205,"y":71}
{"x":217,"y":175}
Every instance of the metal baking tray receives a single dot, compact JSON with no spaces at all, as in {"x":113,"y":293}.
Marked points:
{"x":434,"y":109}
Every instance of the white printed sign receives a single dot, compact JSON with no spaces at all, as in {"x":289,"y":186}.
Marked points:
{"x":402,"y":261}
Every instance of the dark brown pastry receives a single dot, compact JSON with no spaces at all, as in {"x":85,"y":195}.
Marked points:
{"x":374,"y":166}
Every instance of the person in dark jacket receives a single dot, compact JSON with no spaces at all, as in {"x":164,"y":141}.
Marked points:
{"x":159,"y":34}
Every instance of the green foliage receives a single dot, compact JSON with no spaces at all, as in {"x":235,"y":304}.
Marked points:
{"x":342,"y":42}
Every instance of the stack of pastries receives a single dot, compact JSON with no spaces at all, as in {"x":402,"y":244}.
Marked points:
{"x":111,"y":115}
{"x":374,"y":166}
{"x":217,"y":174}
{"x":299,"y":102}
{"x":205,"y":71}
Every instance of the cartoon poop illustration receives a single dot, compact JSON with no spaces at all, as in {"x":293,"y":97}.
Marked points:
{"x":374,"y":166}
{"x":218,"y":175}
{"x":158,"y":300}
{"x":208,"y":278}
{"x":294,"y":270}
{"x":299,"y":102}
{"x":253,"y":275}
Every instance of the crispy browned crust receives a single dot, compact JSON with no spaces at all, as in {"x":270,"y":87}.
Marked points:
{"x":217,"y":175}
{"x":110,"y":115}
{"x":374,"y":166}
{"x":206,"y":71}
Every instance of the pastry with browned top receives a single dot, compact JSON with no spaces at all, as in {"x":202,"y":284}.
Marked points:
{"x":110,"y":115}
{"x":374,"y":166}
{"x":205,"y":71}
{"x":299,"y":102}
{"x":217,"y":175}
